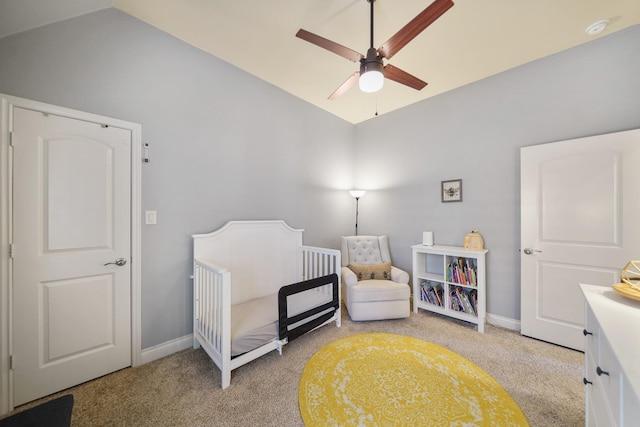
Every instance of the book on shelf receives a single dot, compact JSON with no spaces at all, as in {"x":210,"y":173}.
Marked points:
{"x":462,"y":271}
{"x":473,"y":296}
{"x":424,"y":295}
{"x":431,"y":292}
{"x":466,"y":301}
{"x":454,"y":302}
{"x":461,"y":300}
{"x":438,"y":293}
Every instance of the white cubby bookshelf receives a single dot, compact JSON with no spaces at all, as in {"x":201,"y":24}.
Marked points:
{"x":450,"y":280}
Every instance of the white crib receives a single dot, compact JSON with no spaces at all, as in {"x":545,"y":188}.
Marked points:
{"x":257,"y":287}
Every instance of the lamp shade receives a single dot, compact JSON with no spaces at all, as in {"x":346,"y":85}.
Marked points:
{"x":356,"y":194}
{"x":371,"y":81}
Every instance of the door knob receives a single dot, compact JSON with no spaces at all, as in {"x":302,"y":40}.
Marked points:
{"x":529,"y":251}
{"x":119,"y":262}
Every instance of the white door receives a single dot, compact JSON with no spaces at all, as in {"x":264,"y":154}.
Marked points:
{"x":71,"y":222}
{"x":579,"y":224}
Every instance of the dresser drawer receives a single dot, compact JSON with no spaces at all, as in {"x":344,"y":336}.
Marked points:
{"x":610,"y":375}
{"x":599,"y":413}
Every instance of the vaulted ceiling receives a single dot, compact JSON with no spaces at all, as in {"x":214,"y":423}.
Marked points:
{"x":472,"y":40}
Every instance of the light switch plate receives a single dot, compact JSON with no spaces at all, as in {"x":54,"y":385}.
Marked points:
{"x":151,"y":217}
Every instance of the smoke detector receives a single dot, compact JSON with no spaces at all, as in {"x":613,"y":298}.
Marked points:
{"x":597,"y":27}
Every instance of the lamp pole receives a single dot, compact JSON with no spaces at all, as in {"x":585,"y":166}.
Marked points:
{"x":356,"y":194}
{"x":357,"y":199}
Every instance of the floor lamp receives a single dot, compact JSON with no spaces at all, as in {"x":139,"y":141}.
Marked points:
{"x":356,"y":194}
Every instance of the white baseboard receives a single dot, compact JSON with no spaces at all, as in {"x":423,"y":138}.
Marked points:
{"x":503,"y":322}
{"x":167,"y":348}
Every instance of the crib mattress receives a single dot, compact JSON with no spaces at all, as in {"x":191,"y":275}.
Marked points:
{"x":255,"y":322}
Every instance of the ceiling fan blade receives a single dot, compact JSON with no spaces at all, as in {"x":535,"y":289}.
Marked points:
{"x":397,"y":75}
{"x":327,"y":44}
{"x":353,"y":78}
{"x":414,"y":27}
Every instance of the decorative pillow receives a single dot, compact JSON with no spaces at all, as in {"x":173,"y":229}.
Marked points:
{"x":372,"y":271}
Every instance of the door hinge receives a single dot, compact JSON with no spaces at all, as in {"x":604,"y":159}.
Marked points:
{"x":11,"y":247}
{"x":11,"y":139}
{"x":11,"y":361}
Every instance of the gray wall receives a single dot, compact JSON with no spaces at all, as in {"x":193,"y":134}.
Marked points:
{"x":225,"y":145}
{"x":475,"y":133}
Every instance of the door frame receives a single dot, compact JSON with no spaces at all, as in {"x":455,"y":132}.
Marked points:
{"x":6,"y":307}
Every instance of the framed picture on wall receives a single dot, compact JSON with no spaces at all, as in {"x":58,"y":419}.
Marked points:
{"x":451,"y":191}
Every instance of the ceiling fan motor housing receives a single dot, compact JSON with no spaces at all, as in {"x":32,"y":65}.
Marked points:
{"x":372,"y":62}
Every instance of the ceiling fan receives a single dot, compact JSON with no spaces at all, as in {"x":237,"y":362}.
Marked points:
{"x":372,"y":70}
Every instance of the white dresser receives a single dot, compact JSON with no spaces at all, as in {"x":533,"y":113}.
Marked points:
{"x":612,"y":358}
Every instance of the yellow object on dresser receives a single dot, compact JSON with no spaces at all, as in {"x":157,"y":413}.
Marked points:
{"x":627,"y":290}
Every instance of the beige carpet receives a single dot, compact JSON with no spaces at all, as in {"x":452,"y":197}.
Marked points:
{"x":184,"y":389}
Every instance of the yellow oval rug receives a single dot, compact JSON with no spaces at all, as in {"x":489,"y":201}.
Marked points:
{"x":394,"y":380}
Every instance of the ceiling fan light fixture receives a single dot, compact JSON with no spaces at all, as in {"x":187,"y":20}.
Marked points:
{"x":371,"y":81}
{"x":371,"y":73}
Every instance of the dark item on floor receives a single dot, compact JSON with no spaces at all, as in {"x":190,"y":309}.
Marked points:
{"x":54,"y":413}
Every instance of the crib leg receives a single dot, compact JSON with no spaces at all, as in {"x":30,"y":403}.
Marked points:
{"x":226,"y":378}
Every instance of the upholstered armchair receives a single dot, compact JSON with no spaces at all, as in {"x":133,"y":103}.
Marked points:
{"x":374,"y":289}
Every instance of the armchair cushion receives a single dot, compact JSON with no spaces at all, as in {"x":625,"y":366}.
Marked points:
{"x":380,"y":271}
{"x":379,"y":291}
